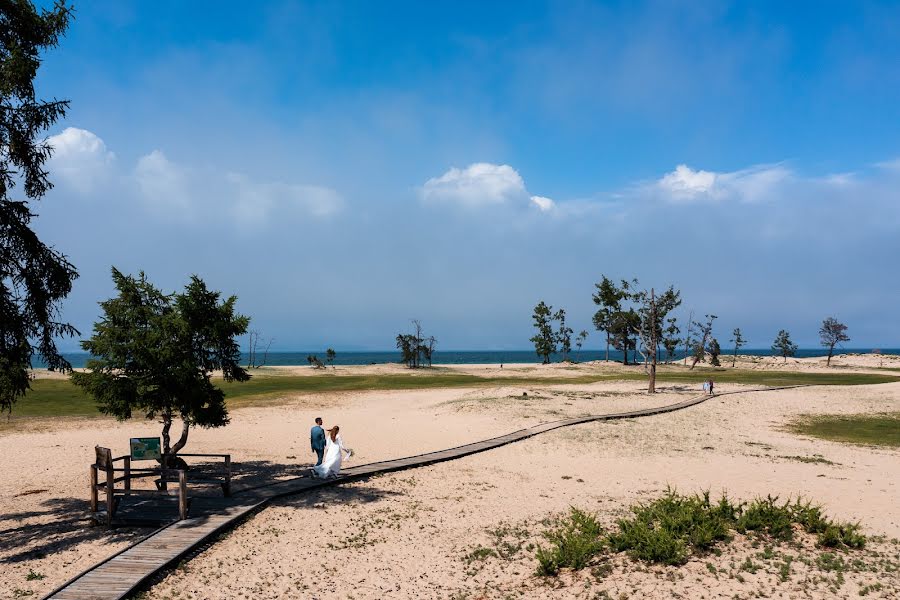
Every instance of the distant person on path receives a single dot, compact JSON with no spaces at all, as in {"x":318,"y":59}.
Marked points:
{"x":335,"y":454}
{"x":706,"y":387}
{"x":317,"y":440}
{"x":710,"y":387}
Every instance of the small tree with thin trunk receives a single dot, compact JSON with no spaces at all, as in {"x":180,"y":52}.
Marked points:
{"x":714,"y":351}
{"x":579,"y":341}
{"x":609,"y":298}
{"x":832,"y":333}
{"x":563,"y":334}
{"x":704,"y":330}
{"x":155,"y":353}
{"x":783,"y":345}
{"x":329,"y":356}
{"x":545,"y":339}
{"x":670,"y":339}
{"x":738,"y":342}
{"x":653,"y":311}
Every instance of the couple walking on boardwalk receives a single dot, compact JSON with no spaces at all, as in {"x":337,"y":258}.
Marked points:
{"x":329,"y":449}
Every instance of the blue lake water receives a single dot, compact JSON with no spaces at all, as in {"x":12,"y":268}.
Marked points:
{"x":456,"y":357}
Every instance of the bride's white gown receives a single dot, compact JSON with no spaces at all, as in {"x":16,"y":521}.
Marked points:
{"x":334,"y":454}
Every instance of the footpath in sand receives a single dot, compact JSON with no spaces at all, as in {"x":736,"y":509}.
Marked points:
{"x":418,"y":533}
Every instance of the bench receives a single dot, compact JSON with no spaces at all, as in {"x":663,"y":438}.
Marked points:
{"x":105,"y":463}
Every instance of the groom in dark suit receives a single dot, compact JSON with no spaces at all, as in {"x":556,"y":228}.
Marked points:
{"x":317,"y":440}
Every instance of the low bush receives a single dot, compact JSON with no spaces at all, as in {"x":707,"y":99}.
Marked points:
{"x":672,"y":528}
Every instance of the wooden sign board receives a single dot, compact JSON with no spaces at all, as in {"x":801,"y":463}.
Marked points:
{"x":145,"y":448}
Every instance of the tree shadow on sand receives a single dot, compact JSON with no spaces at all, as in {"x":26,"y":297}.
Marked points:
{"x":68,"y":527}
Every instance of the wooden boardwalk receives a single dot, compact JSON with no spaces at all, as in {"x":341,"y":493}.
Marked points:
{"x":119,"y":575}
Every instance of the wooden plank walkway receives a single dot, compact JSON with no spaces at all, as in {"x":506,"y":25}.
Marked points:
{"x":119,"y":575}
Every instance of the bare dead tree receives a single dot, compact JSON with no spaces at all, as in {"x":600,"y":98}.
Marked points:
{"x":251,"y":348}
{"x":266,"y":352}
{"x":687,"y":337}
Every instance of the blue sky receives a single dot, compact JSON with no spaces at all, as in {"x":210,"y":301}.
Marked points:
{"x":345,"y":167}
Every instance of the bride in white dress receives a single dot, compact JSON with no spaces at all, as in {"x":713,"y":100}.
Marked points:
{"x":335,"y":453}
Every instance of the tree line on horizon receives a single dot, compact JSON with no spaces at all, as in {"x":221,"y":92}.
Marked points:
{"x":638,"y":321}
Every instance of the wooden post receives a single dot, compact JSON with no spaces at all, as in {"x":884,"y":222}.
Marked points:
{"x":182,"y":495}
{"x":127,"y":461}
{"x":227,"y":487}
{"x":110,"y":488}
{"x":94,"y":489}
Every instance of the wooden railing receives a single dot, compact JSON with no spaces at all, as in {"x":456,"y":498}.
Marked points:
{"x":106,"y":464}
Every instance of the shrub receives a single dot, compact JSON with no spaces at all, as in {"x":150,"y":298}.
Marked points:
{"x":573,"y":543}
{"x":670,"y":529}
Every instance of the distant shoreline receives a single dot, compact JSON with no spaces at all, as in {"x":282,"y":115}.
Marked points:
{"x":479,"y":357}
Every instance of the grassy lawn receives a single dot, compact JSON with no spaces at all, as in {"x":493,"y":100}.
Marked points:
{"x":879,"y":430}
{"x":56,"y":397}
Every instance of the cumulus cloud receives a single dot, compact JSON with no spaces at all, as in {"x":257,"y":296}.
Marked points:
{"x":543,"y":204}
{"x":482,"y":184}
{"x":685,"y":184}
{"x":80,"y":159}
{"x":178,"y":192}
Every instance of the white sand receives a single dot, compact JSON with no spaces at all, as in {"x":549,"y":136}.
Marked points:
{"x":407,"y":534}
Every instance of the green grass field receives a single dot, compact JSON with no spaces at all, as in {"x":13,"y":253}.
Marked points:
{"x":879,"y":430}
{"x":57,"y":397}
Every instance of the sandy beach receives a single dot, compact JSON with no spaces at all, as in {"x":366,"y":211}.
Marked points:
{"x":468,"y":528}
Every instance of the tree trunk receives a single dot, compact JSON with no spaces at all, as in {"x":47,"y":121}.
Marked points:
{"x":607,"y":346}
{"x":167,"y":424}
{"x":182,"y":441}
{"x":734,"y":360}
{"x":830,"y":352}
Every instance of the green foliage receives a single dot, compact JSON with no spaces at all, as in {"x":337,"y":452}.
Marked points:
{"x":330,"y":355}
{"x":609,"y":298}
{"x":573,"y":542}
{"x":674,"y":527}
{"x":34,"y":277}
{"x":880,"y":430}
{"x":714,"y":351}
{"x":783,"y":345}
{"x":668,"y":529}
{"x":545,"y":339}
{"x":670,"y":339}
{"x":738,"y":341}
{"x":704,"y":330}
{"x":832,"y":333}
{"x":155,"y":354}
{"x":563,"y":334}
{"x":414,"y":347}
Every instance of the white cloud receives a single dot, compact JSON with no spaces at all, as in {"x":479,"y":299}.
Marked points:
{"x":80,"y":159}
{"x":890,"y":165}
{"x":256,"y":202}
{"x":163,"y":184}
{"x":543,"y":204}
{"x":479,"y":184}
{"x":185,"y":194}
{"x":483,"y":184}
{"x":755,"y":184}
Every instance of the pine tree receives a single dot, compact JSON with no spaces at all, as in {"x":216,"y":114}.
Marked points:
{"x":155,"y":353}
{"x":831,"y":333}
{"x":34,"y":277}
{"x":738,"y":343}
{"x":783,"y":345}
{"x":545,"y":339}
